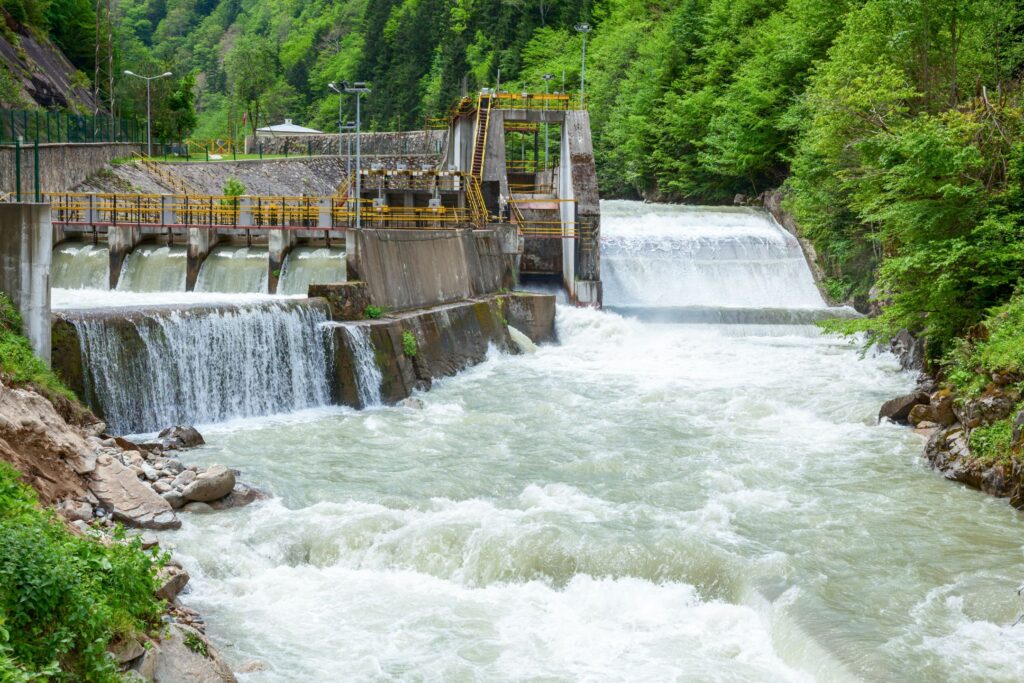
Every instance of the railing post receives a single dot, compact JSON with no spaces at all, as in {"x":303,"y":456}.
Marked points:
{"x":17,"y":168}
{"x":35,"y":164}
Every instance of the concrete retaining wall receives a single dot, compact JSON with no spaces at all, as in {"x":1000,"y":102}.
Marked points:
{"x":61,"y":166}
{"x":415,"y":143}
{"x":407,"y":269}
{"x":26,"y":249}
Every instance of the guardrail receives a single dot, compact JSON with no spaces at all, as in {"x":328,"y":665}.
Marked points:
{"x":61,"y":127}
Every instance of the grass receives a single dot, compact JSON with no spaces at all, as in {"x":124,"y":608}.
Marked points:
{"x":17,"y":360}
{"x":196,"y":644}
{"x":409,"y":345}
{"x":994,"y":346}
{"x":993,"y":443}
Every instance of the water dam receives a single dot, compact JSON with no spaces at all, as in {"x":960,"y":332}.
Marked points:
{"x":689,"y":486}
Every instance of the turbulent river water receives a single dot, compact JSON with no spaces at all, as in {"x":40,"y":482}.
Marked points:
{"x":643,"y":501}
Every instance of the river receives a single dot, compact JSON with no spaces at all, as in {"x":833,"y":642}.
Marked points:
{"x":644,"y":501}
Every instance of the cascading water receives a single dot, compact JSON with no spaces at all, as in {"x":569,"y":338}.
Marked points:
{"x":150,"y":268}
{"x":311,"y":265}
{"x":367,"y":372}
{"x":235,"y":269}
{"x":648,"y":502}
{"x":80,"y":266}
{"x":694,"y":264}
{"x":150,"y":369}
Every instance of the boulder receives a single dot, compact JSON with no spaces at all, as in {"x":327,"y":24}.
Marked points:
{"x":240,"y":496}
{"x":183,"y":479}
{"x":995,"y":404}
{"x":172,"y":581}
{"x":898,"y":409}
{"x":75,"y":510}
{"x":184,"y":655}
{"x":127,"y":650}
{"x":174,"y":499}
{"x":942,"y":401}
{"x":908,"y":350}
{"x":1018,"y":430}
{"x":129,"y":500}
{"x":178,"y":438}
{"x":922,"y":412}
{"x":216,"y":482}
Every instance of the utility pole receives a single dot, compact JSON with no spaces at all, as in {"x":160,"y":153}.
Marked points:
{"x":583,"y":28}
{"x":358,"y":88}
{"x":547,"y":80}
{"x":149,"y":112}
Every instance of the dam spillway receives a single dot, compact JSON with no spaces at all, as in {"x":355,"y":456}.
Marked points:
{"x":146,"y":368}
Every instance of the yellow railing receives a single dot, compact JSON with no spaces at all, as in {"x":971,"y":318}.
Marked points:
{"x":164,"y":175}
{"x":535,"y":101}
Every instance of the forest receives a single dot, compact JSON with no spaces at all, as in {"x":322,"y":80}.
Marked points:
{"x":893,"y":126}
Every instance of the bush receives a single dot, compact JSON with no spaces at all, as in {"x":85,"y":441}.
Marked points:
{"x":65,"y":598}
{"x":409,"y":345}
{"x":16,"y":358}
{"x":995,"y":346}
{"x":373,"y":312}
{"x":991,"y":443}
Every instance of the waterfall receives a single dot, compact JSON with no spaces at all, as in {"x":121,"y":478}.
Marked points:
{"x":235,"y":269}
{"x":154,"y":269}
{"x":157,"y":367}
{"x":695,"y":264}
{"x":77,"y":265}
{"x":311,"y":265}
{"x":364,"y":362}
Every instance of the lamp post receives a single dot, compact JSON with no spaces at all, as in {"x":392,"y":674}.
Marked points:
{"x":583,"y":28}
{"x":547,"y":80}
{"x":358,"y":88}
{"x":149,"y":116}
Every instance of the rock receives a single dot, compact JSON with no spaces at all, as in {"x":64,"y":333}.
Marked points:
{"x":197,"y":508}
{"x":96,"y":428}
{"x":129,"y":500}
{"x":127,"y":650}
{"x":240,"y":496}
{"x":149,"y":472}
{"x":216,"y":482}
{"x":908,"y":350}
{"x":995,"y":404}
{"x":75,"y":511}
{"x":81,"y":526}
{"x":187,"y":656}
{"x":184,"y":478}
{"x":739,"y":200}
{"x":942,"y":401}
{"x":148,"y":540}
{"x":172,"y":581}
{"x":86,"y":464}
{"x":922,"y":412}
{"x":174,"y":499}
{"x":253,"y":666}
{"x":163,"y":486}
{"x":1018,"y":430}
{"x":134,"y":458}
{"x":413,"y":403}
{"x":180,"y":437}
{"x":898,"y":409}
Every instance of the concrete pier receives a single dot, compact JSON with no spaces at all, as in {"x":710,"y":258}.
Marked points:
{"x":26,"y":250}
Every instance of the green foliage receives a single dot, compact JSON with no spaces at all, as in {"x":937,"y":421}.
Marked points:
{"x":995,"y":346}
{"x":16,"y":358}
{"x":233,"y":187}
{"x":992,"y":443}
{"x":373,"y":312}
{"x":409,"y":345}
{"x":65,"y":598}
{"x":196,"y":644}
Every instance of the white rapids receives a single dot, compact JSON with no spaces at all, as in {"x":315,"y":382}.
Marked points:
{"x":642,"y":502}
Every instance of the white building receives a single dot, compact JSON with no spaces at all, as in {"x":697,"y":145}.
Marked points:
{"x":286,"y":128}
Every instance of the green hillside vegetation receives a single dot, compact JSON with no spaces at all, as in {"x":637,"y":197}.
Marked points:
{"x":894,"y":126}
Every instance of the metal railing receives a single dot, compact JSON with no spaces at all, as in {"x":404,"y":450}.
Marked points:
{"x":61,"y":127}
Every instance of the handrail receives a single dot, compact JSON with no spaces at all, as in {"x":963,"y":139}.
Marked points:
{"x":173,"y":181}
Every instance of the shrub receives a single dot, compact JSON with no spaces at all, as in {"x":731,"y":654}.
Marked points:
{"x":65,"y":598}
{"x":991,"y":443}
{"x":233,"y":187}
{"x":409,"y":345}
{"x":16,"y":358}
{"x":373,"y":312}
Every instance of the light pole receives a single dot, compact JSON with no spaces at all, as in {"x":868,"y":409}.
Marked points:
{"x":583,"y":28}
{"x":547,"y":80}
{"x":149,"y":116}
{"x":358,"y":88}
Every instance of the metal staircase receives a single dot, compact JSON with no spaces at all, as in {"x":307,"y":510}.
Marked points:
{"x":483,"y":118}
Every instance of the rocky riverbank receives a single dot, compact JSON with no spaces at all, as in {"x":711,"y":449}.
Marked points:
{"x":951,"y":424}
{"x":97,"y":482}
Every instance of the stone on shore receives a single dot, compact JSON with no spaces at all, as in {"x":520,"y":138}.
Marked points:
{"x":898,"y":409}
{"x":130,"y":500}
{"x":184,"y":655}
{"x":216,"y":482}
{"x":173,"y":580}
{"x":178,"y":438}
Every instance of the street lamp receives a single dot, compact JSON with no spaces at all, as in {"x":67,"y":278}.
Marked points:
{"x":547,"y":79}
{"x":358,"y":88}
{"x":583,"y":28}
{"x":149,"y":117}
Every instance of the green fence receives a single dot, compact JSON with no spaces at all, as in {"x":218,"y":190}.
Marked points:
{"x":55,"y":126}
